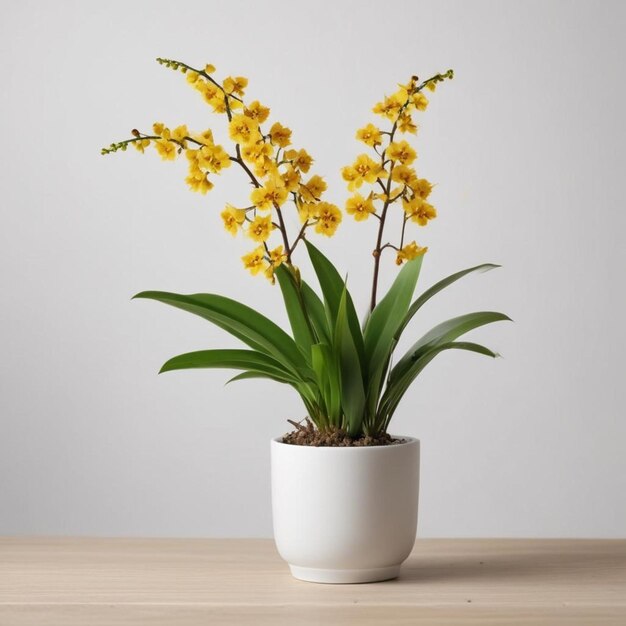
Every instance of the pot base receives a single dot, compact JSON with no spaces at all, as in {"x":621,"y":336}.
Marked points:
{"x":344,"y":576}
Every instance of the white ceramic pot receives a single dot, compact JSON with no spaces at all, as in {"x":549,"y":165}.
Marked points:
{"x":345,"y":515}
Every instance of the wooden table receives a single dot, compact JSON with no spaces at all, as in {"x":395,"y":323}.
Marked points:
{"x":183,"y":582}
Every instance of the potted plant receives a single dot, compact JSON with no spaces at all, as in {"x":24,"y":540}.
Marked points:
{"x":344,"y":490}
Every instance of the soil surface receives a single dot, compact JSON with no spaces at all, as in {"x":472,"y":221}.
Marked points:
{"x":307,"y":435}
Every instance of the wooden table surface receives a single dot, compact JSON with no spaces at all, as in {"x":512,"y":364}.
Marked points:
{"x":184,"y":582}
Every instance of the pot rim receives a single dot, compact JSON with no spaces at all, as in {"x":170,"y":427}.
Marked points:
{"x":409,"y":441}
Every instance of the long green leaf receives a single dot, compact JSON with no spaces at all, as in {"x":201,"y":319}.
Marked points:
{"x":398,"y":387}
{"x":332,"y":286}
{"x":352,"y":387}
{"x":317,"y":315}
{"x":229,"y":359}
{"x":249,"y":374}
{"x":381,"y":327}
{"x":387,"y":316}
{"x":436,"y":288}
{"x":296,"y":311}
{"x":326,"y":369}
{"x":442,"y":333}
{"x":254,"y":329}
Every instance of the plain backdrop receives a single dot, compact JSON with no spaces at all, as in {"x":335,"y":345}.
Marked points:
{"x":526,"y":148}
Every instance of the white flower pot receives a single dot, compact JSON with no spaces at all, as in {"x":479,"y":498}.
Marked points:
{"x":345,"y":515}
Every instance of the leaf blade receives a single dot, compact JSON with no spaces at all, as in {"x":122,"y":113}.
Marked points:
{"x":445,"y":332}
{"x":439,"y":286}
{"x":352,"y":385}
{"x":241,"y":321}
{"x":397,"y":388}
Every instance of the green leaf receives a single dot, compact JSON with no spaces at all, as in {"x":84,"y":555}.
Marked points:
{"x":443,"y":333}
{"x":329,"y":279}
{"x":398,"y":386}
{"x":381,"y":328}
{"x":352,"y":387}
{"x":296,"y":311}
{"x":436,"y":288}
{"x":332,"y":286}
{"x":326,"y":370}
{"x":253,"y":374}
{"x":229,"y":359}
{"x":254,"y":329}
{"x":317,"y":315}
{"x":388,"y":315}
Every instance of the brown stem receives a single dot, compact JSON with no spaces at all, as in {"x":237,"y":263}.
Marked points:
{"x":387,"y":188}
{"x":238,"y":159}
{"x":404,"y":221}
{"x":379,"y":240}
{"x":298,"y":425}
{"x":281,"y":222}
{"x":299,"y":237}
{"x":283,"y":232}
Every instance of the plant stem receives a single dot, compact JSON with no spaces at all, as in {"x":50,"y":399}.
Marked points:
{"x":387,"y":188}
{"x":281,"y":222}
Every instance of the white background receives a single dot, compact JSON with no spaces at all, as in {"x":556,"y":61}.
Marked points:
{"x":526,"y":145}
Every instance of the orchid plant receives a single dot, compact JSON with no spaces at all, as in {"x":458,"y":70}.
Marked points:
{"x":341,"y":369}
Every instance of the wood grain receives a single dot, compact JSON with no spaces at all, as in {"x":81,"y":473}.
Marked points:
{"x":183,"y":582}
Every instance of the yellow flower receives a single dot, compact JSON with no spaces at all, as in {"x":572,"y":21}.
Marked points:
{"x":215,"y":97}
{"x":179,"y":133}
{"x":235,"y":85}
{"x":308,"y":210}
{"x":206,"y":88}
{"x":364,"y":169}
{"x":313,"y":189}
{"x":255,"y":260}
{"x":280,"y":135}
{"x":192,"y":77}
{"x":243,"y":129}
{"x":277,"y":256}
{"x":406,"y":124}
{"x":199,"y":182}
{"x":389,"y":107}
{"x":256,"y":152}
{"x":393,"y":194}
{"x":266,"y":168}
{"x":421,"y":188}
{"x":158,"y":128}
{"x":402,"y":95}
{"x":209,"y":69}
{"x":260,"y":228}
{"x":405,"y":175}
{"x":213,"y":158}
{"x":359,"y":207}
{"x":300,"y":160}
{"x":431,"y":85}
{"x":141,"y":145}
{"x":369,"y":135}
{"x":419,"y":211}
{"x":271,"y":193}
{"x":419,"y":101}
{"x":410,"y":252}
{"x":205,"y":137}
{"x":291,"y":179}
{"x":257,"y":111}
{"x":329,"y":218}
{"x":233,"y":218}
{"x":167,"y":149}
{"x":401,"y":151}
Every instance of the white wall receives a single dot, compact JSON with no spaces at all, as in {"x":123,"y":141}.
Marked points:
{"x":526,"y":145}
